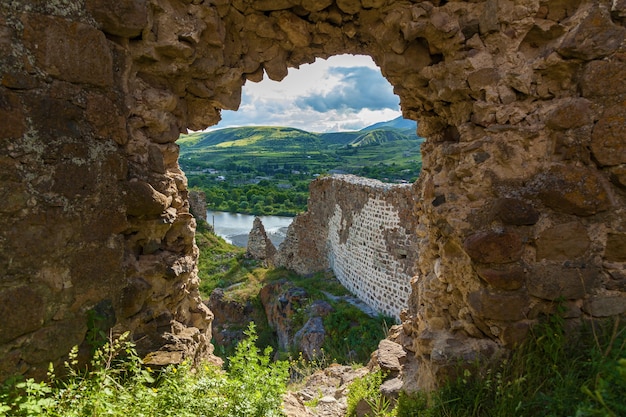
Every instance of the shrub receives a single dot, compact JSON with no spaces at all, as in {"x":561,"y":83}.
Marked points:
{"x":551,"y":374}
{"x":366,"y":392}
{"x":117,"y":384}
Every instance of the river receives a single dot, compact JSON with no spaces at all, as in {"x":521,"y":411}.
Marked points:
{"x":234,"y":227}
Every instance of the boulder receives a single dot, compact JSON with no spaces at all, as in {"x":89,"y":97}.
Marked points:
{"x":494,"y":247}
{"x":310,"y":338}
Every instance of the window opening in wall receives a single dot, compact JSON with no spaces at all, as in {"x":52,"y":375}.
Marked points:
{"x":334,"y":116}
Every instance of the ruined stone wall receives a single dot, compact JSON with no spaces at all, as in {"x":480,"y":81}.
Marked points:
{"x":520,"y":201}
{"x":362,"y":229}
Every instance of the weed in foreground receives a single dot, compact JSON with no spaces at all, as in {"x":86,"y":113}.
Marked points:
{"x":552,"y":374}
{"x":118,"y":384}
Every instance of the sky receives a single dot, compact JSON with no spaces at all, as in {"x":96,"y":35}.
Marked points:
{"x":345,"y":92}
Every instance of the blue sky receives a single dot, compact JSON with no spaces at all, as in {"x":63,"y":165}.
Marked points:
{"x":345,"y":92}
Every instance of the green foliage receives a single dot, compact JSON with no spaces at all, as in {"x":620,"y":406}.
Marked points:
{"x":267,"y":170}
{"x":352,"y":335}
{"x":413,"y":405}
{"x":117,"y":384}
{"x":607,"y":396}
{"x":366,"y":390}
{"x":606,"y":392}
{"x":220,"y":264}
{"x":552,"y":374}
{"x":259,"y":382}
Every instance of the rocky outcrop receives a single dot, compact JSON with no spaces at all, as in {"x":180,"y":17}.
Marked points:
{"x":323,"y":394}
{"x":230,"y":319}
{"x":260,"y":247}
{"x":282,"y":301}
{"x":522,"y":105}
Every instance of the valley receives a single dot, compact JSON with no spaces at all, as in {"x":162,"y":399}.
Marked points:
{"x":267,"y":170}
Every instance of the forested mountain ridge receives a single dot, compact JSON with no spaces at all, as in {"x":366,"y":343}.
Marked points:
{"x":266,"y":170}
{"x":270,"y":137}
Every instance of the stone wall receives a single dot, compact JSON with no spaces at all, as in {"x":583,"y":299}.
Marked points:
{"x":520,"y":201}
{"x":362,"y":229}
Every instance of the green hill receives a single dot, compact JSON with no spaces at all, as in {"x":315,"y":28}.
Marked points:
{"x":235,"y":160}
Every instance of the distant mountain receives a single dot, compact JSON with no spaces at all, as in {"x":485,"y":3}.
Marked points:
{"x":399,"y":123}
{"x":260,"y":153}
{"x":269,"y":138}
{"x":256,"y":136}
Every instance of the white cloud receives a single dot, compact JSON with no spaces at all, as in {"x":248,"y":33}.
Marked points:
{"x":348,"y":92}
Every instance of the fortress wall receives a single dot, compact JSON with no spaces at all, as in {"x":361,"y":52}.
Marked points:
{"x":371,"y":250}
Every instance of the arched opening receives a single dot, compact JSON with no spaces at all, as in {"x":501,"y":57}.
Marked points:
{"x":519,"y":203}
{"x":335,"y":116}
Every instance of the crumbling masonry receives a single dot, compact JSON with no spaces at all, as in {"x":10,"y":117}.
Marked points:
{"x":521,"y":200}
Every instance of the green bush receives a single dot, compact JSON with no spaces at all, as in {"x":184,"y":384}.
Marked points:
{"x":553,"y":373}
{"x":117,"y":384}
{"x":366,"y":390}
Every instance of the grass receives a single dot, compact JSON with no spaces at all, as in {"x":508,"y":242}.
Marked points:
{"x":220,"y":264}
{"x":117,"y":384}
{"x":351,"y":334}
{"x":554,"y":373}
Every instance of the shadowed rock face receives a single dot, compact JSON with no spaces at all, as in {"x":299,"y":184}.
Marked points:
{"x":522,"y":104}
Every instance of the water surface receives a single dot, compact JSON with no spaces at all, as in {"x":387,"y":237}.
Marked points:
{"x":235,"y":227}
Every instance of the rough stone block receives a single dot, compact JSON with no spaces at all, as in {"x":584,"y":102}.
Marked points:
{"x":605,"y":306}
{"x":599,"y":78}
{"x":107,"y":120}
{"x":483,"y":78}
{"x":562,"y":242}
{"x":125,"y":18}
{"x":509,"y":279}
{"x":390,"y":355}
{"x":69,"y":51}
{"x":75,"y":180}
{"x":310,"y":338}
{"x":515,"y":333}
{"x":54,"y":117}
{"x":493,"y":247}
{"x":515,"y":212}
{"x":570,"y":114}
{"x":13,"y":124}
{"x":551,"y":282}
{"x":22,"y":311}
{"x":596,"y":36}
{"x":618,"y":175}
{"x":297,"y":30}
{"x":349,"y":6}
{"x":615,"y":250}
{"x":143,"y":200}
{"x":55,"y":340}
{"x":607,"y":140}
{"x":133,"y":297}
{"x":573,"y":190}
{"x":499,"y":306}
{"x":316,"y":5}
